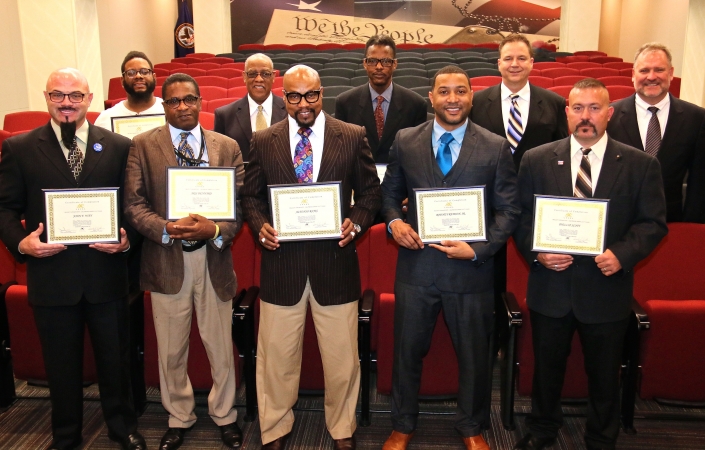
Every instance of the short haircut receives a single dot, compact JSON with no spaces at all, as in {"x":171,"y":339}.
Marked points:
{"x":179,"y":78}
{"x":384,"y":40}
{"x":653,"y":47}
{"x":589,"y":83}
{"x":516,"y":38}
{"x":447,"y":70}
{"x":259,"y":56}
{"x":132,"y":55}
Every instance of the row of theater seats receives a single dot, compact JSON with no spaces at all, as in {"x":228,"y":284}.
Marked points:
{"x":662,"y":351}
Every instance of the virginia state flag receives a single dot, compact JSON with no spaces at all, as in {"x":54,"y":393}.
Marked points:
{"x":183,"y":32}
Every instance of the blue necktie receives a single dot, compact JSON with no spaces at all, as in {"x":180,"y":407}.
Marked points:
{"x":443,"y":157}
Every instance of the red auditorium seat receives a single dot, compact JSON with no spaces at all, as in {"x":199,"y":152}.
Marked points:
{"x":492,"y":45}
{"x":220,"y":60}
{"x":207,"y":120}
{"x":544,"y":82}
{"x":3,"y":135}
{"x":619,"y":92}
{"x":559,"y":72}
{"x":170,"y":66}
{"x":268,"y":47}
{"x":605,"y":59}
{"x":159,"y":72}
{"x":626,"y":72}
{"x":568,"y":59}
{"x":354,"y":46}
{"x":186,"y":60}
{"x":217,"y":103}
{"x":487,"y":80}
{"x":202,"y":55}
{"x":190,"y":71}
{"x":237,"y":92}
{"x":563,"y":91}
{"x":675,"y":87}
{"x":569,"y":80}
{"x":616,"y":80}
{"x":535,"y":73}
{"x":115,"y":89}
{"x":582,"y":65}
{"x":479,"y":88}
{"x":233,"y":65}
{"x":210,"y":80}
{"x":225,"y":73}
{"x":329,"y":46}
{"x":589,"y":53}
{"x":548,"y":65}
{"x":91,"y":116}
{"x":254,"y":47}
{"x":278,"y":91}
{"x":205,"y":65}
{"x":597,"y":72}
{"x":296,"y":47}
{"x":213,"y":92}
{"x":25,"y":120}
{"x":618,"y":65}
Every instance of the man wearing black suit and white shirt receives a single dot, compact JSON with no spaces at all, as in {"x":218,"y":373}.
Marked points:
{"x":254,"y":112}
{"x":399,"y":108}
{"x":674,"y":132}
{"x":592,"y":295}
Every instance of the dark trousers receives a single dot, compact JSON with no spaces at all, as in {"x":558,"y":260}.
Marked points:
{"x":469,"y":318}
{"x":61,"y":332}
{"x":602,"y":348}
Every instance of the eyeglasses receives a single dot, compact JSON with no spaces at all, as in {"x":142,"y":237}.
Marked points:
{"x":189,"y":100}
{"x":386,"y":62}
{"x":295,"y":98}
{"x":253,"y":74}
{"x":133,"y":72}
{"x":58,"y":97}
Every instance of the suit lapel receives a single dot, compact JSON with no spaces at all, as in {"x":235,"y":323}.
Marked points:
{"x":368,"y":116}
{"x":166,"y":147}
{"x":535,"y":112}
{"x":278,"y":111}
{"x":561,"y":168}
{"x":243,"y":117}
{"x":50,"y":147}
{"x":394,"y":116}
{"x":332,"y":144}
{"x":215,"y":155}
{"x":92,"y":157}
{"x":494,"y":110}
{"x":629,"y":124}
{"x":675,"y":122}
{"x":611,"y":166}
{"x":467,"y":148}
{"x":281,"y":153}
{"x":427,"y":158}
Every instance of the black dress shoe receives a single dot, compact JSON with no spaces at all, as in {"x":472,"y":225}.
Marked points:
{"x":135,"y":441}
{"x":173,"y":438}
{"x":531,"y":442}
{"x":345,"y":444}
{"x":231,"y":435}
{"x":277,"y":444}
{"x":72,"y":446}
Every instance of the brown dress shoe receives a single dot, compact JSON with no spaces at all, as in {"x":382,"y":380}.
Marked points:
{"x":397,"y":441}
{"x":476,"y":443}
{"x":345,"y":444}
{"x":277,"y":444}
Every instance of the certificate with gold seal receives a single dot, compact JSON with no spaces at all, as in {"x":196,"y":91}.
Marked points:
{"x":455,"y":214}
{"x":131,"y":126}
{"x":82,"y":216}
{"x":207,"y":191}
{"x":306,"y":211}
{"x":571,"y":225}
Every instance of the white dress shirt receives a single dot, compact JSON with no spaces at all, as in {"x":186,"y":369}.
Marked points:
{"x":596,"y":156}
{"x":193,"y":139}
{"x":266,"y":110}
{"x":522,"y":104}
{"x":315,"y":138}
{"x":643,"y":115}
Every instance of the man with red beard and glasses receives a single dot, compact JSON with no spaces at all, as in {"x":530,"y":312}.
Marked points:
{"x":324,"y":274}
{"x":139,"y":82}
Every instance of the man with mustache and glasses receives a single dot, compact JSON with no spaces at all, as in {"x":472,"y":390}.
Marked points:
{"x":71,"y":287}
{"x":454,"y":277}
{"x":309,"y":146}
{"x":671,"y":129}
{"x":186,"y":264}
{"x":589,"y":294}
{"x":139,"y":82}
{"x":255,"y":112}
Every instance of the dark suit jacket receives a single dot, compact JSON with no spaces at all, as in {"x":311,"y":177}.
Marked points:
{"x":233,"y":120}
{"x":34,"y":161}
{"x":162,"y":267}
{"x":682,"y":151}
{"x":636,"y":223}
{"x":484,"y":159}
{"x":332,"y":270}
{"x":407,"y":109}
{"x":547,"y":119}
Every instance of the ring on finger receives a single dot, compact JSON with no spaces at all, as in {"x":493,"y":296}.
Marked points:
{"x":263,"y":240}
{"x":352,"y":233}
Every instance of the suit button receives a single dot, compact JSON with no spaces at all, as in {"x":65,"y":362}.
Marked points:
{"x":445,"y":182}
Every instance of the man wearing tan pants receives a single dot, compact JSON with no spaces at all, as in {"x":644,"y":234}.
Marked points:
{"x":309,"y":146}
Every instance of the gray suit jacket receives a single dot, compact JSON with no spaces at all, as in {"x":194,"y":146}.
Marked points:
{"x":145,"y":208}
{"x":484,"y":160}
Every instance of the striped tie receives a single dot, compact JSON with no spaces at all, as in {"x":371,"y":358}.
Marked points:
{"x":653,"y":133}
{"x":515,"y":129}
{"x":583,"y":182}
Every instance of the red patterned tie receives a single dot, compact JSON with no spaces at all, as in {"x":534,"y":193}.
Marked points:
{"x":303,"y":157}
{"x":379,"y":116}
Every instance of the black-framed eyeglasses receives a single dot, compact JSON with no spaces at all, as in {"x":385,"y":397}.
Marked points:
{"x":133,"y":72}
{"x":386,"y":62}
{"x":189,"y":100}
{"x":295,"y":98}
{"x":74,"y":97}
{"x":265,"y":74}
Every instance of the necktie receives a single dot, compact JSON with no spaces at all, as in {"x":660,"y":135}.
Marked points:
{"x":260,"y":121}
{"x":185,"y":148}
{"x":303,"y":157}
{"x":443,"y":156}
{"x":515,"y":129}
{"x":75,"y":159}
{"x":653,"y":133}
{"x":583,"y":182}
{"x":379,"y":117}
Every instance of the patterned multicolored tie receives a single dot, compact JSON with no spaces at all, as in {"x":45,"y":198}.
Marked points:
{"x":443,"y":156}
{"x":75,"y":159}
{"x":185,"y":149}
{"x":260,"y":121}
{"x":515,"y":129}
{"x":303,"y":157}
{"x":583,"y":182}
{"x":653,"y":133}
{"x":379,"y":116}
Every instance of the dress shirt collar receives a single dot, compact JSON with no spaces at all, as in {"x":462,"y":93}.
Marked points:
{"x":81,"y":132}
{"x":458,"y":133}
{"x":598,"y":148}
{"x":524,"y":92}
{"x":317,"y":128}
{"x":176,"y":134}
{"x":644,"y":107}
{"x":387,"y":94}
{"x":266,"y":104}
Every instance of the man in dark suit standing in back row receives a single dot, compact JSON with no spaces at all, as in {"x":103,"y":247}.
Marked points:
{"x":381,"y":106}
{"x":257,"y":110}
{"x":664,"y":126}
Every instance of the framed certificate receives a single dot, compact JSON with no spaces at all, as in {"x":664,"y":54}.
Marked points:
{"x":131,"y":126}
{"x":306,"y":211}
{"x":82,"y":216}
{"x":456,"y":214}
{"x":570,"y":225}
{"x":381,"y":170}
{"x":208,"y":191}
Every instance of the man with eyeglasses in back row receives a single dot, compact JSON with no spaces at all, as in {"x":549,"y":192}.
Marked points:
{"x":257,"y":110}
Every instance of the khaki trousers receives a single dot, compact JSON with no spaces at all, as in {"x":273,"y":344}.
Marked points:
{"x":172,"y":322}
{"x":279,"y":349}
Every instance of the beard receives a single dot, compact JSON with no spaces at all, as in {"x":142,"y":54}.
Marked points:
{"x":583,"y":124}
{"x":68,"y":133}
{"x":307,"y":124}
{"x":143,"y":95}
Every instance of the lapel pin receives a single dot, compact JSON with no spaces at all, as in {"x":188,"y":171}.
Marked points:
{"x":560,"y":163}
{"x":97,"y":147}
{"x":619,"y":157}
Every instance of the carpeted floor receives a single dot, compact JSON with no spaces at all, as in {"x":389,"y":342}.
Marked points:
{"x":26,"y":425}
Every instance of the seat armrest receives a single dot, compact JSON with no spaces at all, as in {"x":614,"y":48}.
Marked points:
{"x":642,"y":319}
{"x":511,"y":307}
{"x":366,"y":305}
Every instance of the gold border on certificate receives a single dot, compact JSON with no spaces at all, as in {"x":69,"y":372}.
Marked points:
{"x":82,"y":216}
{"x":131,"y":126}
{"x":456,"y":214}
{"x":208,"y":191}
{"x":571,"y":225}
{"x":294,"y":206}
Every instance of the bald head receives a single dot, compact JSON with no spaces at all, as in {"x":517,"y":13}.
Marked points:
{"x":304,"y":107}
{"x":258,"y":77}
{"x":68,"y":81}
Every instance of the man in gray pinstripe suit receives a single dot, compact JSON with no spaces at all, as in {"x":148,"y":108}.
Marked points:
{"x":309,"y":146}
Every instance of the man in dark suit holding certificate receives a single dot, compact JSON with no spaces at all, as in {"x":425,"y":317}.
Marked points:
{"x":455,"y":277}
{"x":589,"y":294}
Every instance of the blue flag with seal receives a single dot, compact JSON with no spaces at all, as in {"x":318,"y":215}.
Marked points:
{"x":183,"y":32}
